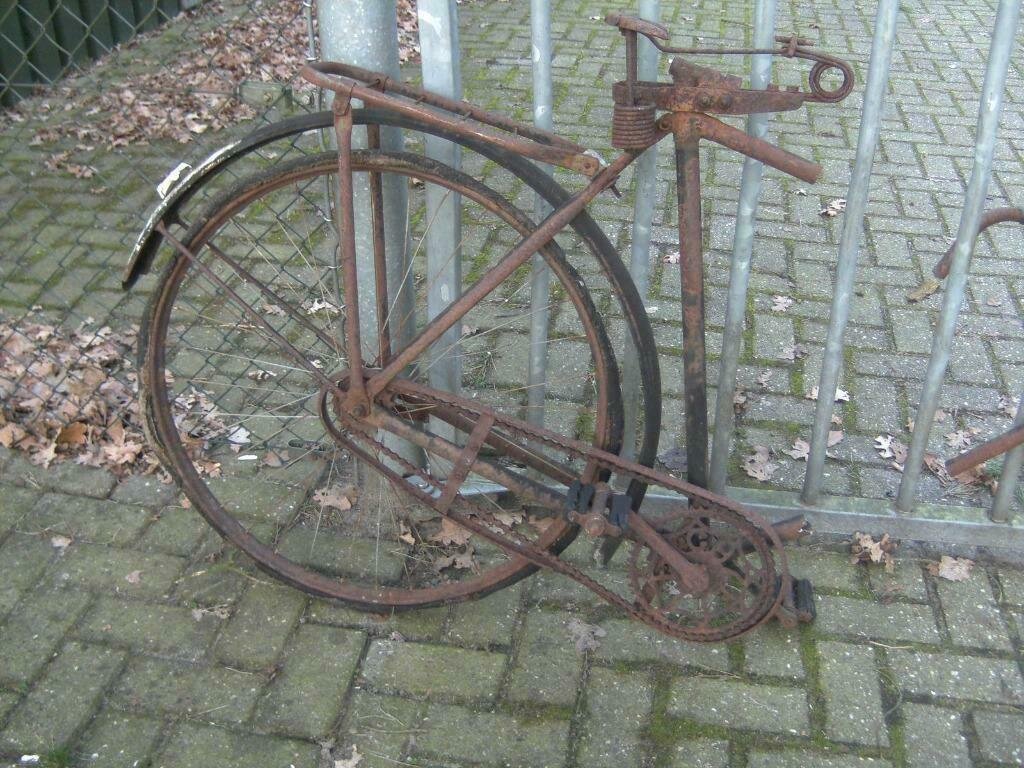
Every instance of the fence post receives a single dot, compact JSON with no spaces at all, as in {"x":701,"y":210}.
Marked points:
{"x":1008,"y":479}
{"x":990,"y":105}
{"x":540,"y":275}
{"x":849,"y":244}
{"x":439,"y":51}
{"x":645,"y":182}
{"x":742,"y":249}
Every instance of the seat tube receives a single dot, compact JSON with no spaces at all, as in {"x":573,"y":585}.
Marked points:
{"x":691,"y":272}
{"x":357,"y":400}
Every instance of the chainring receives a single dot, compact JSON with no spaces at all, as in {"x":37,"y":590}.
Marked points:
{"x":744,"y":587}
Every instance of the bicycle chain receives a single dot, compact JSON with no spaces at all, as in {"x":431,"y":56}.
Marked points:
{"x":510,"y":540}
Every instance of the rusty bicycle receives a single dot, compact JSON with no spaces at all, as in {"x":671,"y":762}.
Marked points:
{"x":291,"y":330}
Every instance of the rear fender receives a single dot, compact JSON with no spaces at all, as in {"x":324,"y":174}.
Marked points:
{"x":183,"y":181}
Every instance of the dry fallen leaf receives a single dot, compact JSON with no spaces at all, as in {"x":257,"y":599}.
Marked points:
{"x":739,"y":401}
{"x":135,"y":577}
{"x":460,"y":561}
{"x":671,"y":258}
{"x":864,"y":549}
{"x":451,"y":533}
{"x":924,"y":290}
{"x":1008,"y":406}
{"x":60,"y":542}
{"x":801,"y":449}
{"x":339,"y":497}
{"x":763,"y":378}
{"x":585,"y":636}
{"x":952,"y":568}
{"x":835,"y":437}
{"x":352,"y":761}
{"x":758,"y":466}
{"x":781,"y":303}
{"x":405,"y":534}
{"x":842,"y":396}
{"x":833,"y":208}
{"x":959,"y":439}
{"x":889,"y":447}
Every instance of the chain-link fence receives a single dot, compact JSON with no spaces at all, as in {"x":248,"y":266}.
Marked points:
{"x":102,"y":99}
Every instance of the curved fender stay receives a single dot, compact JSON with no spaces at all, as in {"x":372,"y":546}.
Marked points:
{"x":182,"y":187}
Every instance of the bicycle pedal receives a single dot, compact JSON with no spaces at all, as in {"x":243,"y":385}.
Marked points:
{"x":797,"y":606}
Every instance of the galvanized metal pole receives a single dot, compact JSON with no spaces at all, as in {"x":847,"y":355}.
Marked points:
{"x":645,"y":179}
{"x":1008,"y":479}
{"x":849,"y":244}
{"x":1007,"y":18}
{"x":540,"y":276}
{"x":439,"y":50}
{"x":742,"y":248}
{"x":365,"y":33}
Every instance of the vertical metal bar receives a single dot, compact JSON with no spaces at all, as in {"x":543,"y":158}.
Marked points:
{"x":1008,"y":479}
{"x":645,"y":178}
{"x":1007,"y":17}
{"x":849,"y":244}
{"x":540,"y":275}
{"x":742,"y":249}
{"x":439,"y":49}
{"x":365,"y":33}
{"x":691,"y":273}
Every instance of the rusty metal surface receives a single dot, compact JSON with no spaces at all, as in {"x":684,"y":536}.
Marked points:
{"x":709,"y":571}
{"x":987,"y":450}
{"x":989,"y":218}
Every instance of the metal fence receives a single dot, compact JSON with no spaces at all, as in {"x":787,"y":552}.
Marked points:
{"x":41,"y":42}
{"x":81,"y":160}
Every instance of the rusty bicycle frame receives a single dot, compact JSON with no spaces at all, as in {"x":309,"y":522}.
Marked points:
{"x":371,"y":395}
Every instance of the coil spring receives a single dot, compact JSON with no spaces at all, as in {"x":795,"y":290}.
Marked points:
{"x":633,"y":127}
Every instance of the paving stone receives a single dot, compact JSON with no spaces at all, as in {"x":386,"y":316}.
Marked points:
{"x":119,"y":740}
{"x":210,"y":585}
{"x":853,"y":701}
{"x":98,"y":521}
{"x":906,"y":581}
{"x":204,"y":693}
{"x":826,"y":570}
{"x":773,"y":650}
{"x":999,"y":736}
{"x":458,"y":735}
{"x":63,"y":699}
{"x":798,"y":758}
{"x":381,"y":728}
{"x":191,"y":745}
{"x":741,"y":705}
{"x":772,"y":336}
{"x":22,"y":561}
{"x":547,"y":666}
{"x":1012,"y":583}
{"x":700,"y":753}
{"x":972,"y":614}
{"x":34,"y":631}
{"x":256,"y":633}
{"x":257,"y":501}
{"x":15,"y":504}
{"x":306,"y":696}
{"x":630,"y":641}
{"x":869,"y":619}
{"x":145,"y":491}
{"x":954,"y":676}
{"x":65,"y":477}
{"x":175,"y":531}
{"x":123,"y":571}
{"x":434,"y":671}
{"x":617,"y":705}
{"x":160,"y":630}
{"x":934,"y":736}
{"x":487,"y":622}
{"x":421,"y":624}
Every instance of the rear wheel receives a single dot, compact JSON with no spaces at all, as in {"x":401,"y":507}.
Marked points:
{"x":246,"y":429}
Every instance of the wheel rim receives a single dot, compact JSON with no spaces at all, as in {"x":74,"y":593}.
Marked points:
{"x":276,"y":550}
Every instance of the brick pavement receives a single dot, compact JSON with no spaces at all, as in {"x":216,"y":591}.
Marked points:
{"x":204,"y":662}
{"x":199,"y":660}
